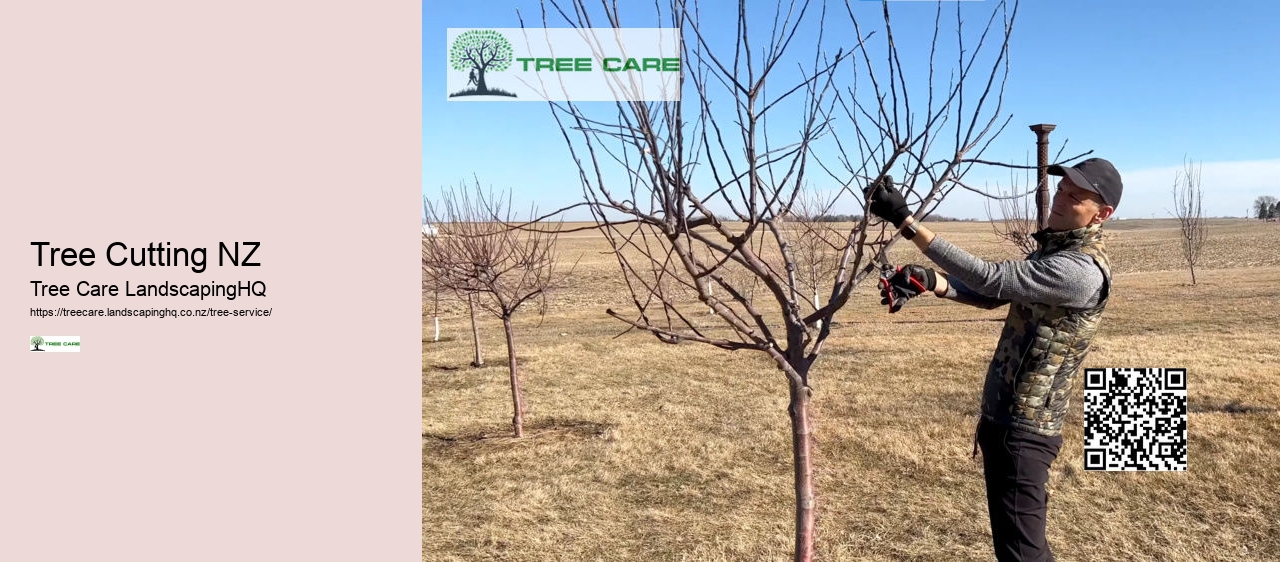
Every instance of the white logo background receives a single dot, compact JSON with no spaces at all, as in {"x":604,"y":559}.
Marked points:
{"x":57,"y":344}
{"x":594,"y":85}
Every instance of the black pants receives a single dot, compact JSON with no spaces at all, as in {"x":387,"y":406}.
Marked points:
{"x":1016,"y":466}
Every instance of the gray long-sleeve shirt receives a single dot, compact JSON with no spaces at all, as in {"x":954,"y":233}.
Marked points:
{"x":1068,"y":279}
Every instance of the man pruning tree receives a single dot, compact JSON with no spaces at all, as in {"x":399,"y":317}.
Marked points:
{"x":1056,"y":297}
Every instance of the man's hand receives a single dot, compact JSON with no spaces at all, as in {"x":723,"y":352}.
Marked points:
{"x":886,"y":202}
{"x":906,"y":283}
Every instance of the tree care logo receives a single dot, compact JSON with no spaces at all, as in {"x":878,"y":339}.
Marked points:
{"x":54,"y":343}
{"x":477,"y":53}
{"x":554,"y":64}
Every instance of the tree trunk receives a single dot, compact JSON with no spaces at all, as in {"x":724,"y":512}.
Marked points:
{"x":436,"y":320}
{"x":517,"y":399}
{"x":475,"y":332}
{"x":480,"y":84}
{"x":802,"y":456}
{"x":817,"y":303}
{"x":1193,"y":274}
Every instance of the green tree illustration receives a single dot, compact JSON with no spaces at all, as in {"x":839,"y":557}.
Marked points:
{"x":37,"y":341}
{"x":480,"y":51}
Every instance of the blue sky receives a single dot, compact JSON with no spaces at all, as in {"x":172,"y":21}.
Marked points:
{"x":1144,"y":84}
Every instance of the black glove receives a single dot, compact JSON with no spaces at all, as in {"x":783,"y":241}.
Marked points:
{"x":886,"y":202}
{"x":907,"y":282}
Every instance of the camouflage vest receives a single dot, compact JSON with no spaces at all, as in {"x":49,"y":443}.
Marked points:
{"x":1042,"y":347}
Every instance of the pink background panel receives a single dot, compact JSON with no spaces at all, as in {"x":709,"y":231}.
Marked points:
{"x":294,"y":124}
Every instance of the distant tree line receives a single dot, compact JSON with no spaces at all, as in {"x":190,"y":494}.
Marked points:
{"x":944,"y":218}
{"x":1266,"y":208}
{"x":839,"y":218}
{"x":857,"y":218}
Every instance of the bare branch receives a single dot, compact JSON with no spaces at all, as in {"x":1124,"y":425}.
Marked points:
{"x":1017,"y":219}
{"x":716,"y":203}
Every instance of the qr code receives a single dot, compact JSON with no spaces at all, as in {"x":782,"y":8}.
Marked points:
{"x":1135,"y":419}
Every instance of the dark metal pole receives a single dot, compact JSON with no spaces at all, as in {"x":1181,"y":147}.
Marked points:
{"x":1042,"y":163}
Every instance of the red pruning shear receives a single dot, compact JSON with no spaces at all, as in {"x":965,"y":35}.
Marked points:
{"x":887,"y":270}
{"x":892,"y":297}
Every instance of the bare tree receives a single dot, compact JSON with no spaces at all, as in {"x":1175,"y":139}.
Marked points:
{"x":429,"y":281}
{"x":665,"y":180}
{"x":1186,"y":204}
{"x":427,"y":287}
{"x":817,"y":245}
{"x":435,"y":315}
{"x":428,"y":284}
{"x":1018,"y":218}
{"x":498,"y":268}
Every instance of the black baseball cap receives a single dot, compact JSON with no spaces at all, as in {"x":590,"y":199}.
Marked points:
{"x":1096,"y":175}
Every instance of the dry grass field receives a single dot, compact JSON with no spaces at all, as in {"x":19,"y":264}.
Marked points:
{"x":637,"y":450}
